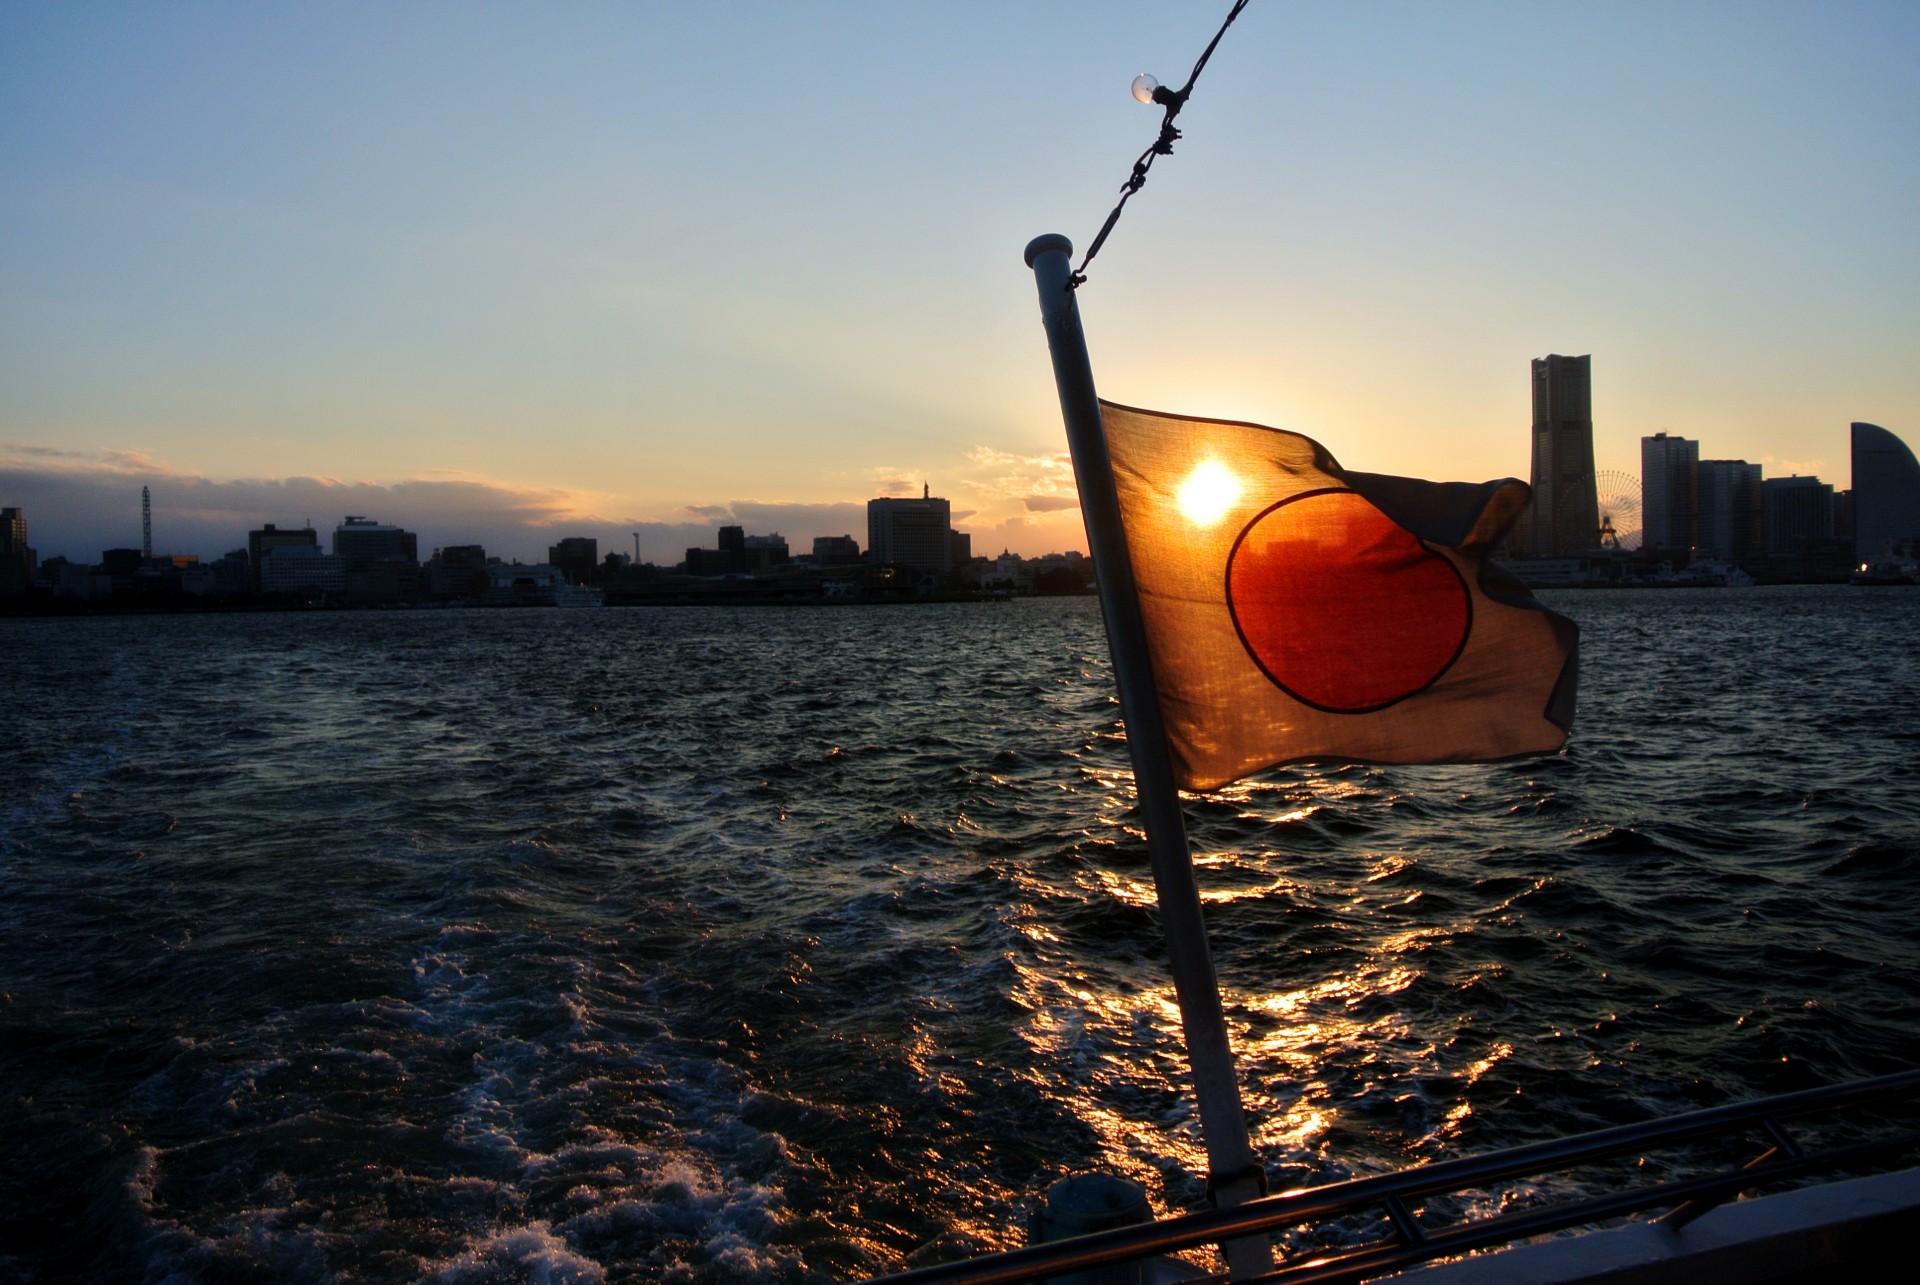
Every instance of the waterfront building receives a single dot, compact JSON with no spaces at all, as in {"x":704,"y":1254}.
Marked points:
{"x":458,"y":571}
{"x":231,"y":573}
{"x":364,"y":543}
{"x":577,"y":557}
{"x":1728,"y":493}
{"x":269,"y":538}
{"x":1798,"y":513}
{"x":524,"y":584}
{"x":17,"y":561}
{"x":911,"y":533}
{"x":73,"y":580}
{"x":727,"y":558}
{"x":1886,"y":495}
{"x":835,"y":550}
{"x":200,"y":579}
{"x":764,"y":552}
{"x":301,"y":571}
{"x":1564,"y":516}
{"x":739,"y":554}
{"x":1669,"y":493}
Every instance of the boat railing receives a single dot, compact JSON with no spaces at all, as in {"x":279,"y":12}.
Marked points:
{"x":1414,"y":1234}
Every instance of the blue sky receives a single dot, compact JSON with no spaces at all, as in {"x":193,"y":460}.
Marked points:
{"x":508,"y":272}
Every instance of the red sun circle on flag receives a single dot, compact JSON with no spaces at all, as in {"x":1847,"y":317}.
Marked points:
{"x":1343,"y":608}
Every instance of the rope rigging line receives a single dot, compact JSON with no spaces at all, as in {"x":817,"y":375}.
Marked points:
{"x":1173,"y":100}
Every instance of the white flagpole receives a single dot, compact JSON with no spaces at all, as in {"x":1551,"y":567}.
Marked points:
{"x":1234,"y":1176}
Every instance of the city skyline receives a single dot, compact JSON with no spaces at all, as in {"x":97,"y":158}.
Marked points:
{"x":613,"y":271}
{"x":659,"y":542}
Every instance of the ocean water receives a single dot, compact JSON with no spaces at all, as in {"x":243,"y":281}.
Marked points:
{"x":801,"y":945}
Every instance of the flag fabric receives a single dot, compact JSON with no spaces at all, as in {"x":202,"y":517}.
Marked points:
{"x":1296,"y":611}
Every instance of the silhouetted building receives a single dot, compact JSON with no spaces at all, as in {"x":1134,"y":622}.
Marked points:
{"x":17,"y":560}
{"x":458,"y":571}
{"x":1886,"y":495}
{"x":365,"y":543}
{"x":1564,"y":515}
{"x":268,"y":538}
{"x":1730,"y":513}
{"x":739,"y":554}
{"x":576,"y":556}
{"x":232,"y":573}
{"x":1798,"y":513}
{"x":116,"y":571}
{"x":72,"y":580}
{"x":1669,"y":493}
{"x":764,"y":552}
{"x":835,"y":550}
{"x":911,"y":533}
{"x":302,"y":571}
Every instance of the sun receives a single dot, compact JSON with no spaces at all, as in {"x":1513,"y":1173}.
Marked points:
{"x":1209,"y":491}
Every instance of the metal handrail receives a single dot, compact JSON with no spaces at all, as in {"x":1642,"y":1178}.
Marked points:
{"x":1386,"y":1191}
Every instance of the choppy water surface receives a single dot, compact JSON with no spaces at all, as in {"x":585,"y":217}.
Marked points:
{"x":760,"y":944}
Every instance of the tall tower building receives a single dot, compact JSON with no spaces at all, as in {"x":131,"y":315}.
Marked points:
{"x":1565,"y":515}
{"x":1797,"y":513}
{"x":1886,"y":494}
{"x":17,"y":561}
{"x":1728,"y":501}
{"x":1669,"y":493}
{"x":13,"y":534}
{"x":911,"y":533}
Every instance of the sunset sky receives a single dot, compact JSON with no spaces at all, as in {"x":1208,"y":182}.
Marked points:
{"x":502,"y":273}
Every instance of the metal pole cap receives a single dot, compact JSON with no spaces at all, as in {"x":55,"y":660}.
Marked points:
{"x":1045,"y":242}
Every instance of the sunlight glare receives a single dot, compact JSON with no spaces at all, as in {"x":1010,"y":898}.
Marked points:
{"x":1209,"y":491}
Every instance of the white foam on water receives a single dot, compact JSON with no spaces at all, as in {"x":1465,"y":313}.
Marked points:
{"x":532,"y":1254}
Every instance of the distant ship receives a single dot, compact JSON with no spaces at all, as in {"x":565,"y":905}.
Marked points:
{"x":576,"y":595}
{"x":1885,"y":573}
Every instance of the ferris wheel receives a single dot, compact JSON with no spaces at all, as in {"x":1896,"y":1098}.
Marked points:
{"x":1619,"y":497}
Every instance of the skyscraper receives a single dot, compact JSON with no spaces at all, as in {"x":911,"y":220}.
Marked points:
{"x":1798,"y":513}
{"x":1564,"y":518}
{"x":911,"y":533}
{"x":1886,"y":494}
{"x":1728,"y":493}
{"x":13,"y":534}
{"x":17,"y":561}
{"x":1669,"y":493}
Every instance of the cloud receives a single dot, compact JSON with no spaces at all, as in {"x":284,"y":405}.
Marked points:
{"x":79,"y":503}
{"x":801,"y":521}
{"x":1031,"y":534}
{"x":1022,"y":477}
{"x":8,"y":449}
{"x":889,"y":480}
{"x":1777,"y":467}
